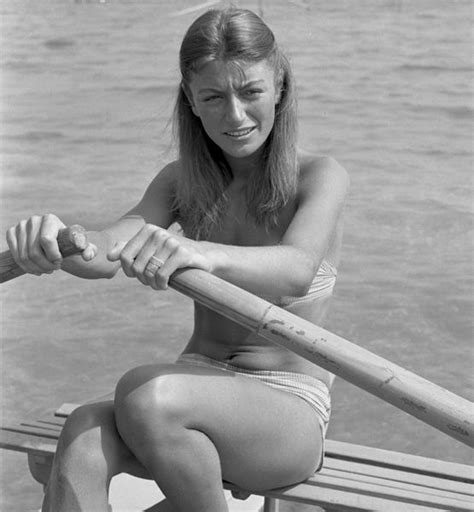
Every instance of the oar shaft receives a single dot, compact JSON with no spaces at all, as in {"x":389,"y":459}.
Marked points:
{"x":71,"y":240}
{"x":417,"y":396}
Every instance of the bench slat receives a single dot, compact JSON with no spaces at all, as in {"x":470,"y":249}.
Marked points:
{"x":42,"y":427}
{"x":340,"y":500}
{"x":58,"y":423}
{"x":364,"y":497}
{"x":21,"y":442}
{"x":353,"y":478}
{"x":373,"y":486}
{"x":34,"y":430}
{"x":65,"y":410}
{"x":386,"y":458}
{"x":396,"y":475}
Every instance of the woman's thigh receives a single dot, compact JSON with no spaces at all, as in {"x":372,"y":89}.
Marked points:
{"x":265,"y":437}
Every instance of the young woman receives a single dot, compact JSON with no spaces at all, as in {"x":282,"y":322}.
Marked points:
{"x":255,"y":212}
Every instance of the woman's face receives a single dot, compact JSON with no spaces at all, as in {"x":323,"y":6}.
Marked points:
{"x":236,"y":104}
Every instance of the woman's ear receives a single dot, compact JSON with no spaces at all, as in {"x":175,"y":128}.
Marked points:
{"x":278,"y":96}
{"x":279,"y":88}
{"x":189,"y":97}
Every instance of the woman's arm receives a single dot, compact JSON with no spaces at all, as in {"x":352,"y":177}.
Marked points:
{"x":289,"y":268}
{"x":33,"y":244}
{"x":284,"y":269}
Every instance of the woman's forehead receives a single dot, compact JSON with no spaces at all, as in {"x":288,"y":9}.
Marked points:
{"x":218,"y":74}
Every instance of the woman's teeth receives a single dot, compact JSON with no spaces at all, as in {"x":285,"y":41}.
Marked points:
{"x":239,"y":133}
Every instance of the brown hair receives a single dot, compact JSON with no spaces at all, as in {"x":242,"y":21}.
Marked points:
{"x":232,"y":35}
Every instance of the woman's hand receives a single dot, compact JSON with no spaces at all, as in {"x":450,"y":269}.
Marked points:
{"x":34,"y":247}
{"x":154,"y":254}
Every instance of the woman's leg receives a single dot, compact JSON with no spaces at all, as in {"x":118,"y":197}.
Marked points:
{"x":90,"y":452}
{"x":193,"y":427}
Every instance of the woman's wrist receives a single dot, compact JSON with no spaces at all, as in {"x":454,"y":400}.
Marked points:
{"x":217,"y":257}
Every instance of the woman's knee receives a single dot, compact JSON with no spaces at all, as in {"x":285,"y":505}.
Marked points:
{"x":84,"y":431}
{"x":150,"y":402}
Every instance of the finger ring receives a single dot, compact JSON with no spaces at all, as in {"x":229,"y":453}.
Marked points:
{"x":154,"y":264}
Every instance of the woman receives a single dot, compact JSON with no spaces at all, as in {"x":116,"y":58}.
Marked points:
{"x":255,"y":212}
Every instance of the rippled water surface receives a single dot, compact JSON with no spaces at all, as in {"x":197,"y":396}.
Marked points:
{"x":384,"y":86}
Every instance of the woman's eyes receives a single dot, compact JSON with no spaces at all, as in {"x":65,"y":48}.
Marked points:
{"x":212,"y":98}
{"x":249,"y":93}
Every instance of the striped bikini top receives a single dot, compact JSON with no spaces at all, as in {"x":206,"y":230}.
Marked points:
{"x":322,"y":285}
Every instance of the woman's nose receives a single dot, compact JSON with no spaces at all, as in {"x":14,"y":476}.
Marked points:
{"x":235,"y":111}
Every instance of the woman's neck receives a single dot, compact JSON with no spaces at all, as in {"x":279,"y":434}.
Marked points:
{"x":243,"y":168}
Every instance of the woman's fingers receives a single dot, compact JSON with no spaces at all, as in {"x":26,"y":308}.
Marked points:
{"x":25,"y":245}
{"x":174,"y":256}
{"x":50,"y":226}
{"x":154,"y":254}
{"x":114,"y":253}
{"x":135,"y":253}
{"x":153,"y":245}
{"x":12,"y":242}
{"x":21,"y":234}
{"x":150,"y":256}
{"x":151,"y":271}
{"x":90,"y":252}
{"x":160,"y":264}
{"x":34,"y":246}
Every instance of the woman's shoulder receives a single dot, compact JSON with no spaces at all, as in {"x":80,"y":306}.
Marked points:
{"x":167,"y":176}
{"x":170,"y":171}
{"x":315,"y":168}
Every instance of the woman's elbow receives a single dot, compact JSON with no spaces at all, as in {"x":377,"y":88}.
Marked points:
{"x":302,"y":275}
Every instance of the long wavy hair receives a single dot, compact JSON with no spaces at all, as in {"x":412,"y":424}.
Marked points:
{"x":237,"y":35}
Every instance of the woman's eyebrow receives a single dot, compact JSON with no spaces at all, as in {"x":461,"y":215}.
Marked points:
{"x":252,"y":83}
{"x":208,"y":89}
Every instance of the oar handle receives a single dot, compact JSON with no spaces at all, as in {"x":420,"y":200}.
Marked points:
{"x":71,"y":240}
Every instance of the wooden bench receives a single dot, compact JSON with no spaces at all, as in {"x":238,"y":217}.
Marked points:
{"x":353,"y":477}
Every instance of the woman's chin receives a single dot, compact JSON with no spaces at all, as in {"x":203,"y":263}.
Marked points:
{"x":241,"y":150}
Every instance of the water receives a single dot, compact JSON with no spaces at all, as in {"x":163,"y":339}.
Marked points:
{"x":384,"y":86}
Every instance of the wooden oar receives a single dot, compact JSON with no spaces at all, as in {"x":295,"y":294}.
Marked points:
{"x":71,"y":240}
{"x":409,"y":392}
{"x":415,"y":395}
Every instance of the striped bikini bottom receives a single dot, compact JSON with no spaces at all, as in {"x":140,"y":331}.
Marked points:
{"x":310,"y":389}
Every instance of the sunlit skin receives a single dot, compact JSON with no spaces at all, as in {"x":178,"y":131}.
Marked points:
{"x":236,"y":105}
{"x":180,"y":424}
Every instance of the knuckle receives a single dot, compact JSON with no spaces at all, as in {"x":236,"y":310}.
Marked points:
{"x":156,"y":236}
{"x":126,"y":265}
{"x":172,"y":244}
{"x":49,"y":216}
{"x":46,"y":240}
{"x":159,"y":235}
{"x":183,"y":253}
{"x":126,"y":259}
{"x":32,"y":221}
{"x":10,"y":235}
{"x":151,"y":229}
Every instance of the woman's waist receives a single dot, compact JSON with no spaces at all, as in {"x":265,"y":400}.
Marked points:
{"x":255,"y":354}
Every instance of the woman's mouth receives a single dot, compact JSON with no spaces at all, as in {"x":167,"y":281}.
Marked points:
{"x":241,"y":133}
